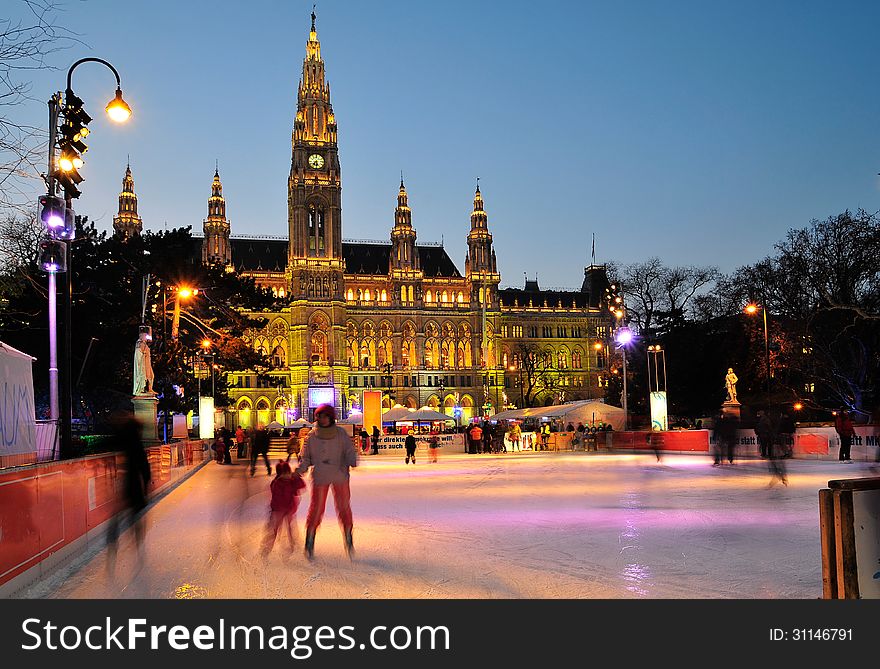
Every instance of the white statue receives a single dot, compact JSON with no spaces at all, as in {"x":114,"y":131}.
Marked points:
{"x":730,"y":381}
{"x":143,"y":368}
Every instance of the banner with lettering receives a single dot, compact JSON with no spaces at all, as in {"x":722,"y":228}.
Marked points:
{"x":17,"y":417}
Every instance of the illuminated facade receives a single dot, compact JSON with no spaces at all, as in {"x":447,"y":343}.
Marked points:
{"x":395,"y":316}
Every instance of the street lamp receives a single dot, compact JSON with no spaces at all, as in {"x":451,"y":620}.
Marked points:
{"x":60,"y":220}
{"x":751,"y":309}
{"x":624,"y":338}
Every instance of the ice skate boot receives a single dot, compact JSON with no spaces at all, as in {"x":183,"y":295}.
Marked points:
{"x":310,"y":545}
{"x":349,"y":543}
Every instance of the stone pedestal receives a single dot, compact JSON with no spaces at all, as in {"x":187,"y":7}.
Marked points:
{"x":731,"y":408}
{"x":145,"y":410}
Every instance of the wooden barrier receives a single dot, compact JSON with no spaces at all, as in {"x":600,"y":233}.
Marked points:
{"x":49,"y":511}
{"x":849,"y":527}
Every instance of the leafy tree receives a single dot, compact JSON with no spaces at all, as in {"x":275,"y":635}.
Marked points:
{"x":108,"y":305}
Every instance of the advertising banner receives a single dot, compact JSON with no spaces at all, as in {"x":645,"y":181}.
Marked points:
{"x":372,"y":409}
{"x":206,"y":418}
{"x":659,"y":415}
{"x":17,"y":419}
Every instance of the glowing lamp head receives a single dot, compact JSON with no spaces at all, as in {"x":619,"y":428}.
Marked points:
{"x":206,"y":343}
{"x":618,"y":313}
{"x":798,"y":406}
{"x":624,"y":336}
{"x":751,"y":308}
{"x":598,"y":346}
{"x":118,"y":109}
{"x":185,"y":293}
{"x":65,"y":163}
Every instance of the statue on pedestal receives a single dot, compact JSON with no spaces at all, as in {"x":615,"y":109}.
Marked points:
{"x":730,"y":382}
{"x":143,"y":368}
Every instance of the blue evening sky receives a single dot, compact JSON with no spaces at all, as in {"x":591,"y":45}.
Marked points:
{"x":699,"y":132}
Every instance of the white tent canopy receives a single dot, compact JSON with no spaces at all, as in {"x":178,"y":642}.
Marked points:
{"x":425,"y":414}
{"x":397,"y":413}
{"x":588,"y":412}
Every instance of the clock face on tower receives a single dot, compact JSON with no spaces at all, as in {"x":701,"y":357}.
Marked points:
{"x":316,"y":161}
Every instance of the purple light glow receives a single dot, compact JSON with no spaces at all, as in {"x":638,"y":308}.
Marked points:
{"x":54,"y":221}
{"x":624,"y":336}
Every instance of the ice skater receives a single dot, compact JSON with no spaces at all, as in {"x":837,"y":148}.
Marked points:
{"x":285,"y":488}
{"x":330,"y":453}
{"x":410,"y":444}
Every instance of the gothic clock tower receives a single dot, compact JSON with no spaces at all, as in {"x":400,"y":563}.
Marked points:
{"x":314,"y":216}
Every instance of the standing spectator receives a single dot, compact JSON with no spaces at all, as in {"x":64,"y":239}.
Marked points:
{"x":581,"y":434}
{"x":227,"y":445}
{"x":375,"y":442}
{"x":331,"y":453}
{"x":763,"y":430}
{"x":240,"y":442}
{"x":476,"y":435}
{"x":285,"y":488}
{"x":260,"y":446}
{"x":410,"y":445}
{"x":725,"y":438}
{"x":845,"y":429}
{"x":487,"y":437}
{"x":365,"y":440}
{"x":218,"y":447}
{"x":545,"y":437}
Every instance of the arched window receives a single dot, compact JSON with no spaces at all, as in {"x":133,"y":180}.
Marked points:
{"x":367,"y":294}
{"x":562,"y":360}
{"x":384,"y":297}
{"x":410,"y":291}
{"x":403,"y":293}
{"x":445,"y":297}
{"x":349,"y":295}
{"x":576,"y":359}
{"x":460,"y":297}
{"x":316,"y":231}
{"x":428,"y":296}
{"x":279,"y":357}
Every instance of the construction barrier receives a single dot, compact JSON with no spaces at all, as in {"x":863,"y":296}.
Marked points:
{"x":51,"y":511}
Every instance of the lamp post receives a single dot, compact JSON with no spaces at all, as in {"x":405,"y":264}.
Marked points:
{"x":624,"y":338}
{"x":62,"y":171}
{"x":751,"y":309}
{"x":515,"y":368}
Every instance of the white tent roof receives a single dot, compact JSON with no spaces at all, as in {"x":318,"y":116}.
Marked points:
{"x":395,"y":414}
{"x":427,"y":414}
{"x":588,"y":412}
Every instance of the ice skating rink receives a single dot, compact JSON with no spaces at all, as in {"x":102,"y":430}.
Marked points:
{"x":545,"y":525}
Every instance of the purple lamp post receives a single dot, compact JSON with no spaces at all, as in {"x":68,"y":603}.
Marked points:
{"x":624,"y":337}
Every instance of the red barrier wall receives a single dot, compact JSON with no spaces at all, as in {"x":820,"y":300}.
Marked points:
{"x":693,"y":441}
{"x":45,"y":507}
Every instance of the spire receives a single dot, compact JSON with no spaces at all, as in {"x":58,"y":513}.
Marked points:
{"x":479,"y":238}
{"x":127,"y":220}
{"x":403,"y":214}
{"x":403,"y":236}
{"x":401,"y":204}
{"x":216,"y":203}
{"x":216,"y":248}
{"x":314,"y":113}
